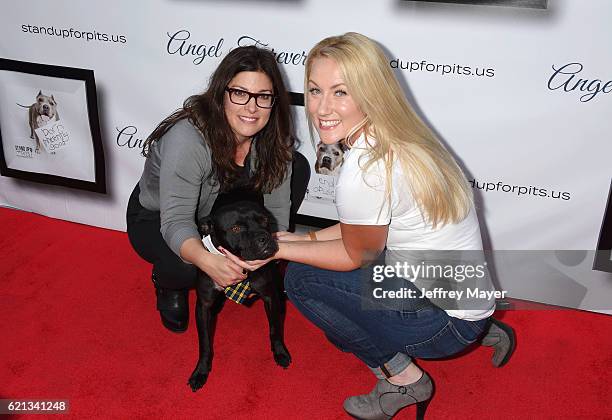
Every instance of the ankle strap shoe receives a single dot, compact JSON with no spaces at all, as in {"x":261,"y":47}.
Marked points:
{"x":386,"y":399}
{"x":501,"y":337}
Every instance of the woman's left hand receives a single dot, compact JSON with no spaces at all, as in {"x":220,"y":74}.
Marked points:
{"x":247,"y":265}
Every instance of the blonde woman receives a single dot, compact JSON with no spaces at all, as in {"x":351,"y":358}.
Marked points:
{"x":398,"y":189}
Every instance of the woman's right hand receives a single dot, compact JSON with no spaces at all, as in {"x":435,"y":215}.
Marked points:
{"x":223,"y":271}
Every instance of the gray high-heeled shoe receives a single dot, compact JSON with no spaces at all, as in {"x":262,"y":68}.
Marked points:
{"x":386,"y":399}
{"x":501,"y":337}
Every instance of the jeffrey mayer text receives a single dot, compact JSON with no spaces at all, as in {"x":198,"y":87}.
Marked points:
{"x":438,"y":293}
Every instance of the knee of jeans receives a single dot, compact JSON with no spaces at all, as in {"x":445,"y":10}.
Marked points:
{"x":296,"y":277}
{"x":291,"y":277}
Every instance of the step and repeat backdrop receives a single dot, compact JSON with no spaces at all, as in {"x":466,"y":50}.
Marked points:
{"x":518,"y":90}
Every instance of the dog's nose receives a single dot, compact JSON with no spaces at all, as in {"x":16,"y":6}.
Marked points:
{"x":326,"y":160}
{"x":46,"y":107}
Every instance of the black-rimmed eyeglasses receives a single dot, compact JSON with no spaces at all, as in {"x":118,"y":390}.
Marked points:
{"x":242,"y":97}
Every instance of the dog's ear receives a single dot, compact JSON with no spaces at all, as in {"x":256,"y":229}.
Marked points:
{"x":53,"y":98}
{"x":39,"y":92}
{"x":343,"y":146}
{"x":205,"y":226}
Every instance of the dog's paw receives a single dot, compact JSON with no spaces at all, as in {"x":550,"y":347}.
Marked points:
{"x":197,"y":380}
{"x":283,"y":360}
{"x":281,"y":355}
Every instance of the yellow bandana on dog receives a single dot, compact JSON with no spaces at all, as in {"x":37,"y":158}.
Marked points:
{"x":239,"y":292}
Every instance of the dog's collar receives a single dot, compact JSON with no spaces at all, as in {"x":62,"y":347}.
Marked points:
{"x":207,"y":241}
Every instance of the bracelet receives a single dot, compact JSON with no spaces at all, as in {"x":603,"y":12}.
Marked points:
{"x":312,"y":235}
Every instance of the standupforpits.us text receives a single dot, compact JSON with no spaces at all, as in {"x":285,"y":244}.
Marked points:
{"x":442,"y":69}
{"x":73,"y":33}
{"x":519,"y":190}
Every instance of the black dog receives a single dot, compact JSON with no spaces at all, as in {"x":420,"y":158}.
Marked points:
{"x":243,"y":228}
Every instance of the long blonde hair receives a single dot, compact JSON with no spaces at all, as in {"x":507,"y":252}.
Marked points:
{"x":437,"y":183}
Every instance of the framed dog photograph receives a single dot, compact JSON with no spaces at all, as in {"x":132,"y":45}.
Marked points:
{"x":49,"y":127}
{"x":319,"y":205}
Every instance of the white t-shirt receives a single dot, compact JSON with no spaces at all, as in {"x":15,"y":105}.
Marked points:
{"x":360,"y":200}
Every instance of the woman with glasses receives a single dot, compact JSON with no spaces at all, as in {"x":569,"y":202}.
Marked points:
{"x":399,"y":189}
{"x":234,"y":141}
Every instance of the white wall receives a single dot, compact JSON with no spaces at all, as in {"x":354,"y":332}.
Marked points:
{"x":507,"y":126}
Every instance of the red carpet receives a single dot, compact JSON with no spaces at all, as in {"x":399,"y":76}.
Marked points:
{"x":79,"y":323}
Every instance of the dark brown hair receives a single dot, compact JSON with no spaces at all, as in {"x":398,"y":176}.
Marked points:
{"x":274,"y":144}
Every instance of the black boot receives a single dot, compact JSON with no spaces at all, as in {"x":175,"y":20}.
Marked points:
{"x":173,"y":307}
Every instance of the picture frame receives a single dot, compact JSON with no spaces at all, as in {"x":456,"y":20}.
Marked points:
{"x":49,"y":126}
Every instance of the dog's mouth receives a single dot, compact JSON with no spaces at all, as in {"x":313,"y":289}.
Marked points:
{"x":326,"y":162}
{"x":269,"y":250}
{"x":260,"y":250}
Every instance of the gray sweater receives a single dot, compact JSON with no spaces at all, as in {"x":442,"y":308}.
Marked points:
{"x":175,"y":176}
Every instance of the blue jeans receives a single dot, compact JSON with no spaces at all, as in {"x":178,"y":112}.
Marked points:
{"x":385,"y":339}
